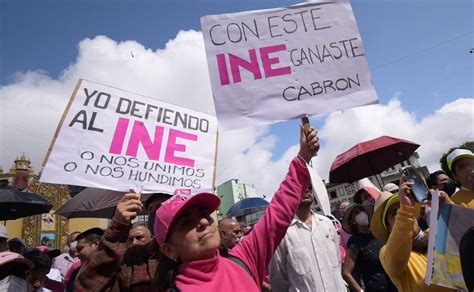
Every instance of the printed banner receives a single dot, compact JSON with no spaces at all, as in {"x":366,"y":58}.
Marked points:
{"x":118,"y":140}
{"x":444,"y":261}
{"x":278,"y":64}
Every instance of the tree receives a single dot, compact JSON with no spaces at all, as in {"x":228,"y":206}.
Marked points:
{"x":443,"y":163}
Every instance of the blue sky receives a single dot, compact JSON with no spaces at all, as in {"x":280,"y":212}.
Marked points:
{"x":44,"y":35}
{"x":418,"y":51}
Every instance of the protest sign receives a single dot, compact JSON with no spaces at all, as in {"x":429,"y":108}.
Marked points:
{"x":444,"y":261}
{"x":113,"y":139}
{"x":278,"y":64}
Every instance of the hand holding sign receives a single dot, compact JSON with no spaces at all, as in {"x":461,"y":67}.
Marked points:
{"x":276,"y":64}
{"x":128,"y":208}
{"x":309,"y":143}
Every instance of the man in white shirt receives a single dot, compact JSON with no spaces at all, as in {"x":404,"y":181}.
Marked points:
{"x":308,"y":257}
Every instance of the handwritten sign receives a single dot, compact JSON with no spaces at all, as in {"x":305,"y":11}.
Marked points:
{"x":114,"y":139}
{"x":278,"y":64}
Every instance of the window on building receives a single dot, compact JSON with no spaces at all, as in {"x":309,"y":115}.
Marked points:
{"x":340,"y":191}
{"x":142,"y":218}
{"x":333,"y":194}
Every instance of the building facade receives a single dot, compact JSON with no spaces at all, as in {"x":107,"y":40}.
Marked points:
{"x":233,"y":191}
{"x":339,"y":193}
{"x":46,"y":229}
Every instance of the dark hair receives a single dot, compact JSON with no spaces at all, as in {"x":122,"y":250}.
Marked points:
{"x":155,"y":196}
{"x":91,"y":235}
{"x":357,"y":196}
{"x":432,"y":179}
{"x":15,"y":245}
{"x":166,"y":273}
{"x":38,"y":258}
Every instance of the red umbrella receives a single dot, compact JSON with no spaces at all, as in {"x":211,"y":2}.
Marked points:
{"x":370,"y":158}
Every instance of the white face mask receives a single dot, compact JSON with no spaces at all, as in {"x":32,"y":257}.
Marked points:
{"x":362,"y":219}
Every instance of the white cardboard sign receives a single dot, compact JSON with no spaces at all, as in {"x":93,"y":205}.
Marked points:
{"x":319,"y":190}
{"x":114,"y":139}
{"x":278,"y":64}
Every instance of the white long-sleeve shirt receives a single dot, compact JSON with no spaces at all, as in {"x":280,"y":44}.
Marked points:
{"x":308,"y":259}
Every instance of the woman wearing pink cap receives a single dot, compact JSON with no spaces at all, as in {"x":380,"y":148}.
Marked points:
{"x":189,"y":238}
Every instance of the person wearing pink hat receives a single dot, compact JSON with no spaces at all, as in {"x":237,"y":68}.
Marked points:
{"x":14,"y":269}
{"x":189,"y":239}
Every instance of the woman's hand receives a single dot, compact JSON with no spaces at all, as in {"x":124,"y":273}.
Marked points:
{"x":405,"y":192}
{"x":309,"y":143}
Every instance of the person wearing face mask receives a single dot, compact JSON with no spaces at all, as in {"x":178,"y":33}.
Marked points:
{"x":64,"y":261}
{"x":117,"y":266}
{"x":363,"y":197}
{"x":439,"y":180}
{"x":363,"y":252}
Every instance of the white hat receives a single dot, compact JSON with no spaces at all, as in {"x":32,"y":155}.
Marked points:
{"x":457,"y":154}
{"x":390,"y":187}
{"x":3,"y":231}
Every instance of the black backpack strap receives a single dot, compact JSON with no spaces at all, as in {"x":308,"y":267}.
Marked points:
{"x":240,"y":263}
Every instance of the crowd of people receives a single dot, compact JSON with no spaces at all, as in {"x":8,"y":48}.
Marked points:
{"x":379,"y":242}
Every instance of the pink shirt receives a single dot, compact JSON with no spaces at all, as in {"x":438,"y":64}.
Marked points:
{"x":255,"y":249}
{"x":63,"y":263}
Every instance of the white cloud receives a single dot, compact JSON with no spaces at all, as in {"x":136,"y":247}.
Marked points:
{"x":31,"y":107}
{"x":449,"y":126}
{"x":436,"y":133}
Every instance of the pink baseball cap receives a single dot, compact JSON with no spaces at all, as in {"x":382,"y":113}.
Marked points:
{"x":52,"y":253}
{"x":13,"y":257}
{"x":182,"y":200}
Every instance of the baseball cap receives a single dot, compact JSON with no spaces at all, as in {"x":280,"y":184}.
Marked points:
{"x":154,"y":196}
{"x":457,"y":154}
{"x":52,"y":253}
{"x":3,"y":231}
{"x":7,"y":257}
{"x":390,"y":187}
{"x":182,"y":200}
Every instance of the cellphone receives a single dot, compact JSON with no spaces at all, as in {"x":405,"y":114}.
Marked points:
{"x":419,"y":188}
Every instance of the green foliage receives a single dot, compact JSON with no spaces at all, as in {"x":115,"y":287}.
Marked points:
{"x":444,"y":165}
